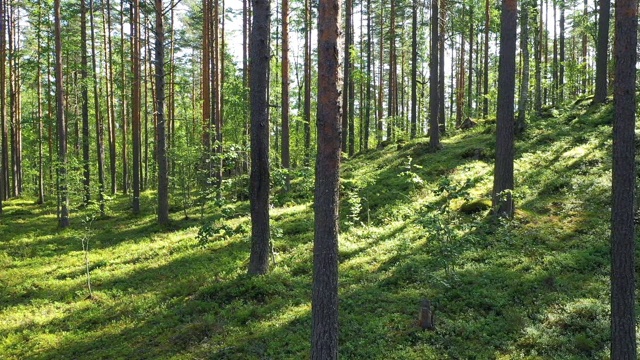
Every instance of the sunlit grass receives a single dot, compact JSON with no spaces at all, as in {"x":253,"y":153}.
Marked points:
{"x":534,"y":287}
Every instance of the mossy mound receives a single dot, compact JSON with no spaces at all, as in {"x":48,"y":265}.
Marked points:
{"x":474,"y":206}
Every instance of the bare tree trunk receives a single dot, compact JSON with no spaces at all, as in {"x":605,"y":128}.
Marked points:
{"x":125,"y":125}
{"x":369,"y":78}
{"x":135,"y":111}
{"x":41,"y":192}
{"x":259,"y":188}
{"x":602,"y":49}
{"x":414,"y":69}
{"x":324,"y":308}
{"x":4,"y":173}
{"x":623,"y":283}
{"x":99,"y":120}
{"x":307,"y":84}
{"x":163,"y":171}
{"x":111,"y":115}
{"x":84,"y":82}
{"x":434,"y":129}
{"x":63,"y":220}
{"x":524,"y":84}
{"x":503,"y":173}
{"x":286,"y":158}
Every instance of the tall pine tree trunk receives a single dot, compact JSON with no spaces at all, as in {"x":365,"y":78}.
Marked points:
{"x":623,"y":283}
{"x":259,"y":179}
{"x":63,"y":220}
{"x":324,"y":303}
{"x":602,"y":49}
{"x":503,"y":173}
{"x":161,"y":133}
{"x":524,"y":84}
{"x":434,"y":131}
{"x":135,"y":96}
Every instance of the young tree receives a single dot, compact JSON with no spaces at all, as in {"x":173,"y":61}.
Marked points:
{"x":623,"y":287}
{"x":259,"y":188}
{"x":63,"y":220}
{"x":161,"y":132}
{"x":324,"y":304}
{"x":602,"y":49}
{"x":503,"y":174}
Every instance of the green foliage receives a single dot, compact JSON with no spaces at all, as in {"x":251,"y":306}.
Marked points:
{"x":535,"y":287}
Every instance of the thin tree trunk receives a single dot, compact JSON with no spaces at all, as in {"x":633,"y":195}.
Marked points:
{"x":485,"y":61}
{"x":286,"y":158}
{"x":125,"y":125}
{"x":434,"y":132}
{"x":84,"y":81}
{"x":561,"y":55}
{"x":538,"y":60}
{"x":163,"y":171}
{"x":369,"y":78}
{"x":602,"y":50}
{"x":442,"y":120}
{"x":111,"y":115}
{"x":524,"y":84}
{"x":99,"y":120}
{"x":307,"y":84}
{"x":347,"y":73}
{"x":4,"y":173}
{"x":63,"y":220}
{"x":414,"y":69}
{"x":135,"y":95}
{"x":41,"y":192}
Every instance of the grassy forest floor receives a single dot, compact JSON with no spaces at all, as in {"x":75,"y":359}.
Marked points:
{"x":414,"y":225}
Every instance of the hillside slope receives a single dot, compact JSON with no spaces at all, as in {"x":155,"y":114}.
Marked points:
{"x":533,"y":287}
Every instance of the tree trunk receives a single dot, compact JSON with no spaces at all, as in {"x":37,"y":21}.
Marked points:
{"x":602,"y":49}
{"x":623,"y":286}
{"x":63,"y":220}
{"x":434,"y":132}
{"x":347,"y":74}
{"x":163,"y":166}
{"x":125,"y":125}
{"x":414,"y":69}
{"x":485,"y":61}
{"x":259,"y":188}
{"x":84,"y":81}
{"x":503,"y":174}
{"x":135,"y":96}
{"x":307,"y":84}
{"x":562,"y":56}
{"x":111,"y":115}
{"x":324,"y":304}
{"x":524,"y":84}
{"x":41,"y":192}
{"x":442,"y":120}
{"x":99,"y":121}
{"x":538,"y":60}
{"x":4,"y":166}
{"x":369,"y":78}
{"x":286,"y":158}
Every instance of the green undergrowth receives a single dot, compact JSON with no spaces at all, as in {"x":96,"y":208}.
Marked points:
{"x":414,"y":225}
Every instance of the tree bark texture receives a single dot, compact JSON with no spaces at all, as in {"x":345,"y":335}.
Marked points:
{"x":324,"y":305}
{"x":503,"y":174}
{"x":259,"y":179}
{"x":63,"y":220}
{"x":623,"y":320}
